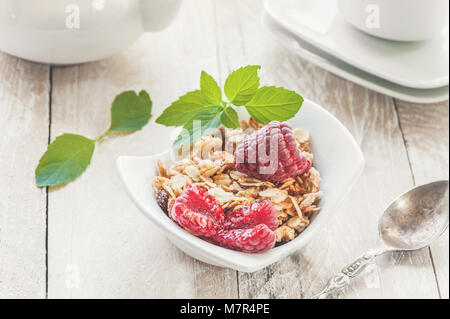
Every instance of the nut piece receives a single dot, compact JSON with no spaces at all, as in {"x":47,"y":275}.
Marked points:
{"x":301,"y":135}
{"x":170,"y":205}
{"x":274,"y":194}
{"x":162,"y":169}
{"x":220,"y":195}
{"x":180,"y":181}
{"x":312,"y":181}
{"x":254,"y":124}
{"x":303,"y":139}
{"x":284,"y":234}
{"x":222,"y":179}
{"x":193,"y":172}
{"x":310,"y":199}
{"x":298,"y":223}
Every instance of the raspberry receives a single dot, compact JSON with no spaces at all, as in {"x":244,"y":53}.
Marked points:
{"x":250,"y":216}
{"x":252,"y":240}
{"x":248,"y":229}
{"x":198,"y":212}
{"x":271,"y":154}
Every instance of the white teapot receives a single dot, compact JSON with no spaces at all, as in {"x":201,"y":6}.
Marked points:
{"x":76,"y":31}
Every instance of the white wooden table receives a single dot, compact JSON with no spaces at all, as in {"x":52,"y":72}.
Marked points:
{"x":88,"y":240}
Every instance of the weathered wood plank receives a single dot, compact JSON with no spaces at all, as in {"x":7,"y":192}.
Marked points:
{"x":24,"y":105}
{"x":372,"y":119}
{"x":100,"y":245}
{"x":425,"y":129}
{"x":98,"y":239}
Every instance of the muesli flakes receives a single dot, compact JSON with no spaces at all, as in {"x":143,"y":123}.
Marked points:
{"x":211,"y":166}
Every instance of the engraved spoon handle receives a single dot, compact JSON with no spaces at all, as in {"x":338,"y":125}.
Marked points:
{"x":342,"y":279}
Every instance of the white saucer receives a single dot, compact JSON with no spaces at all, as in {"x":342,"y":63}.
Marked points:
{"x":345,"y":70}
{"x":420,"y":65}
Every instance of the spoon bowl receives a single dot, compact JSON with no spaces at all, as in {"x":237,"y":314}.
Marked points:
{"x":418,"y":217}
{"x":411,"y":222}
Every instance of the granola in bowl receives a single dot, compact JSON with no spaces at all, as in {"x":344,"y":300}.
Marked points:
{"x":210,"y":171}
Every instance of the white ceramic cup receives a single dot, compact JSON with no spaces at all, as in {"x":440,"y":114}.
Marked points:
{"x":400,"y":20}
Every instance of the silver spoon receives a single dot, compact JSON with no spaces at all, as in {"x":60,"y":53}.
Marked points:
{"x":411,"y":222}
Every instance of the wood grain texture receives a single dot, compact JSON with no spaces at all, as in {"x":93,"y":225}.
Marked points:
{"x":425,"y":130}
{"x":100,"y":245}
{"x":24,"y":120}
{"x":372,"y":119}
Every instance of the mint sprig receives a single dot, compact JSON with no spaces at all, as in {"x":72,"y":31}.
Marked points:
{"x":182,"y":110}
{"x":210,"y":90}
{"x":206,"y":121}
{"x":130,"y":112}
{"x":69,"y":155}
{"x":230,"y":118}
{"x":273,"y":104}
{"x":242,"y":84}
{"x":66,"y":158}
{"x":200,"y":112}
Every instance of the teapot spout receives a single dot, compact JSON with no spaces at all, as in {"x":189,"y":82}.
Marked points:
{"x":159,"y":14}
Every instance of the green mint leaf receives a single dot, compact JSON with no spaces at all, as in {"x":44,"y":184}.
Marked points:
{"x":242,"y":85}
{"x":274,"y":104}
{"x":182,"y":110}
{"x":65,"y":159}
{"x":210,"y":90}
{"x":130,"y":112}
{"x":204,"y":122}
{"x":230,"y":118}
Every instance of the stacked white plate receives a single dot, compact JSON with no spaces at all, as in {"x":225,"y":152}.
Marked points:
{"x":411,"y":71}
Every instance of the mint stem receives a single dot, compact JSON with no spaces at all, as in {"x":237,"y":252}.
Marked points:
{"x":102,"y":137}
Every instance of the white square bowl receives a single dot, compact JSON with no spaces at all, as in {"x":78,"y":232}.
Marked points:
{"x":338,"y":158}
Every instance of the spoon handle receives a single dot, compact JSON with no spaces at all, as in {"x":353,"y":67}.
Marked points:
{"x":342,"y":279}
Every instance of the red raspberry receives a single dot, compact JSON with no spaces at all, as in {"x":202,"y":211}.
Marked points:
{"x":198,"y":212}
{"x":248,"y":229}
{"x":271,"y":154}
{"x":253,"y":240}
{"x":250,"y":216}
